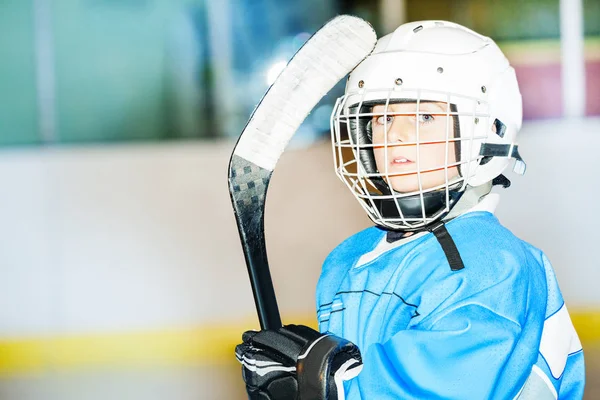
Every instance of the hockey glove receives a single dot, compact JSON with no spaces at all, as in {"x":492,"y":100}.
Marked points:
{"x":296,"y":362}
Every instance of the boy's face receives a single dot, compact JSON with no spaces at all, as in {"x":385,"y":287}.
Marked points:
{"x":402,"y":159}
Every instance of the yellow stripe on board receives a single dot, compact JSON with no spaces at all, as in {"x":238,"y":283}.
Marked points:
{"x":201,"y":346}
{"x":587,"y":325}
{"x":169,"y":347}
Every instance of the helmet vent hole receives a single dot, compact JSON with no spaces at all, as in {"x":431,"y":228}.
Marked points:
{"x":483,"y":89}
{"x":499,"y":128}
{"x":361,"y":83}
{"x":418,"y":28}
{"x":398,"y":81}
{"x":440,"y":70}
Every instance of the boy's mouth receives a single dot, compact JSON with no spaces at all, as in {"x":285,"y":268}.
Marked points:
{"x":401,"y":160}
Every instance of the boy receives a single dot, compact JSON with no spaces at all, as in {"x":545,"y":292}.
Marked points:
{"x":442,"y":301}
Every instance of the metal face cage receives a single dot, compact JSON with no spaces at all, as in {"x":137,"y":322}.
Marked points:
{"x":407,"y":155}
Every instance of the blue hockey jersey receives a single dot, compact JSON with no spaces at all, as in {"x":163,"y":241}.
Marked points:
{"x":497,"y":329}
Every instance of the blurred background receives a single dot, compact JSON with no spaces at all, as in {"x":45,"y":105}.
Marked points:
{"x":121,"y":273}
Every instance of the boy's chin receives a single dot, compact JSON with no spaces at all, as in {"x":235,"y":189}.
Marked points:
{"x":411,"y":186}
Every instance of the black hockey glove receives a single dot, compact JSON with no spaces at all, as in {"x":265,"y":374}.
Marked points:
{"x":296,"y":362}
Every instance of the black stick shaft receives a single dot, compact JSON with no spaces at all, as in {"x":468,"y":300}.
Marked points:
{"x":262,"y":284}
{"x":248,"y":185}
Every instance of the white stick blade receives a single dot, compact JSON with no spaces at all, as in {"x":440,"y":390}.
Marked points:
{"x":329,"y":55}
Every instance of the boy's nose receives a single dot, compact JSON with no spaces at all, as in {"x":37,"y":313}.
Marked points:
{"x":401,"y":131}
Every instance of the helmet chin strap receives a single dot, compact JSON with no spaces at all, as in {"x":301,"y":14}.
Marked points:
{"x":412,"y":207}
{"x":433,"y":203}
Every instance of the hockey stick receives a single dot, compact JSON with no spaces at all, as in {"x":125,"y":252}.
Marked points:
{"x":324,"y":60}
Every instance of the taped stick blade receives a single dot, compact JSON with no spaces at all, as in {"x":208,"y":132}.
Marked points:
{"x":329,"y":55}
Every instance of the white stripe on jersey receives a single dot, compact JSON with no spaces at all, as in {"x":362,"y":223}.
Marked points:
{"x":559,"y":340}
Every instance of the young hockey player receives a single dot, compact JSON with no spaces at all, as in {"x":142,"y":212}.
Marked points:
{"x":442,"y":300}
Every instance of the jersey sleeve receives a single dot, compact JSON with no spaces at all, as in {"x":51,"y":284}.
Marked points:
{"x":481,"y":345}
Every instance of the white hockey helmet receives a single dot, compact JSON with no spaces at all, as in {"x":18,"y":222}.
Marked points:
{"x":422,"y":62}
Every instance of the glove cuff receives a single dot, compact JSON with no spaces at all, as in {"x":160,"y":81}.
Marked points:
{"x":328,"y":356}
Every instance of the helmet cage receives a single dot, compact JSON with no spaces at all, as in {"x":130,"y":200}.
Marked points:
{"x":467,"y":124}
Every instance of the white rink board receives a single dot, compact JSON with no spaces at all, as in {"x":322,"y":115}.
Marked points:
{"x":131,"y":237}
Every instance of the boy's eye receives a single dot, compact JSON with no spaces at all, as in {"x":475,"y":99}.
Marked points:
{"x":382,"y":120}
{"x":426,"y":118}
